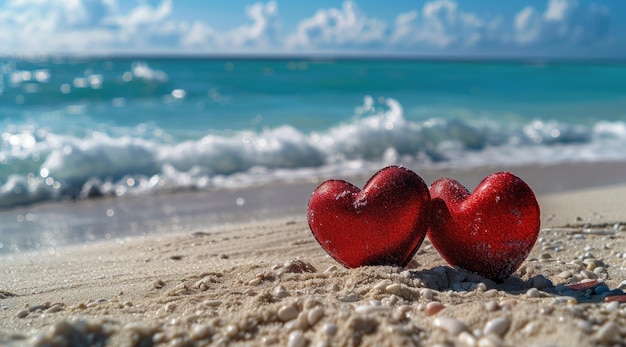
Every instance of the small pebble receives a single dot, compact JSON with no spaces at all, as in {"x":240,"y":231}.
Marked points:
{"x":491,"y":292}
{"x":491,"y":306}
{"x":302,"y":321}
{"x":427,"y":293}
{"x":401,"y":291}
{"x":250,"y":292}
{"x":212,"y":303}
{"x":532,"y":328}
{"x":565,"y":275}
{"x":393,"y":288}
{"x":450,"y":325}
{"x":589,"y":261}
{"x":54,"y":309}
{"x":255,"y":281}
{"x":540,"y":282}
{"x":599,"y":270}
{"x":296,"y":339}
{"x":490,"y":341}
{"x":382,"y":285}
{"x":608,"y":333}
{"x":280,"y":292}
{"x":349,"y":298}
{"x":612,"y":306}
{"x":269,"y":340}
{"x":231,"y":330}
{"x":588,"y":274}
{"x":533,"y":293}
{"x":404,"y":309}
{"x":287,"y":312}
{"x":434,"y":307}
{"x":565,"y":300}
{"x":38,"y":307}
{"x":467,"y":339}
{"x":603,"y":288}
{"x":329,"y":329}
{"x":497,"y":326}
{"x":508,"y":304}
{"x":314,"y":315}
{"x":21,"y":314}
{"x":578,"y":262}
{"x":202,"y":331}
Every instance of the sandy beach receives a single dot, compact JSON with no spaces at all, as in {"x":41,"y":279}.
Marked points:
{"x":260,"y":278}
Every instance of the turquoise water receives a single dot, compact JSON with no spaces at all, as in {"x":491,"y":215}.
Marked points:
{"x":78,"y":127}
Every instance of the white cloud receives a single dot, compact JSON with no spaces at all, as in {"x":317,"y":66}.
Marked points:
{"x":263,"y":29}
{"x":527,"y":25}
{"x":563,"y":22}
{"x":260,"y":34}
{"x":70,"y":13}
{"x":143,"y":15}
{"x":99,"y":26}
{"x":147,"y":27}
{"x":200,"y":35}
{"x":440,"y":24}
{"x":338,"y":28}
{"x":37,"y":25}
{"x":89,"y":26}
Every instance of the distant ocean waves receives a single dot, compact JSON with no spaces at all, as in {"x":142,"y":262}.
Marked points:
{"x":40,"y":165}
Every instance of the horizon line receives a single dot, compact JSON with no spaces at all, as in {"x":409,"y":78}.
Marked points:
{"x":314,"y":57}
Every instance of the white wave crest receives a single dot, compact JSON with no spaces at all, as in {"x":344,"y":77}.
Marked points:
{"x":40,"y":165}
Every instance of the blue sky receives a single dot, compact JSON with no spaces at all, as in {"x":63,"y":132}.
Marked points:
{"x":456,"y":28}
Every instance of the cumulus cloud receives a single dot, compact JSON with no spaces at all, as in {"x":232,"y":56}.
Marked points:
{"x":88,"y":26}
{"x":439,"y":24}
{"x":338,"y":28}
{"x":72,"y":26}
{"x":261,"y":33}
{"x":562,"y":22}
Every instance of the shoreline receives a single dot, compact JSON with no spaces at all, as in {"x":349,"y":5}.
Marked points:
{"x":57,"y":224}
{"x":268,"y":282}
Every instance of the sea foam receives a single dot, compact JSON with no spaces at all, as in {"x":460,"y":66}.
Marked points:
{"x":48,"y":166}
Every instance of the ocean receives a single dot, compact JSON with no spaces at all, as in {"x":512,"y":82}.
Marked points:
{"x":76,"y":128}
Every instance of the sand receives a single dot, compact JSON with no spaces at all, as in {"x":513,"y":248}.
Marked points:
{"x":268,"y":282}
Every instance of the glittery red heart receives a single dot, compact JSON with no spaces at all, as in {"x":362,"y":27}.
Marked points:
{"x":490,"y":231}
{"x":383,"y":224}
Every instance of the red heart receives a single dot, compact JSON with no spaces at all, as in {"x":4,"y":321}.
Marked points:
{"x":383,"y":224}
{"x":490,"y":231}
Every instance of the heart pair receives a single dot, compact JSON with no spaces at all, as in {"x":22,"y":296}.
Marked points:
{"x":490,"y":231}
